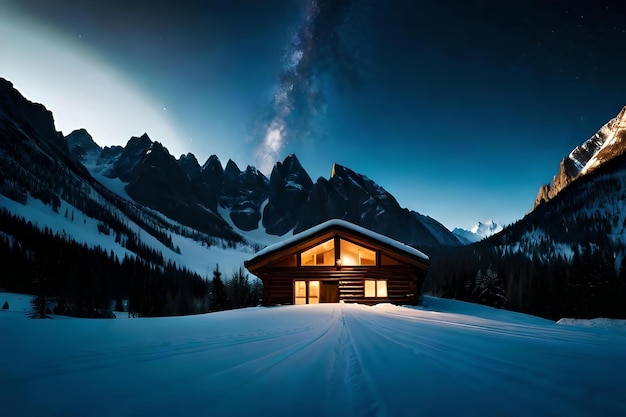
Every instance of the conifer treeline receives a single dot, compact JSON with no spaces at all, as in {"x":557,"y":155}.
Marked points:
{"x":88,"y":281}
{"x":567,"y":258}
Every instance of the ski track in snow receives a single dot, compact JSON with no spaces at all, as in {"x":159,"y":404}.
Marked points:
{"x":448,"y":358}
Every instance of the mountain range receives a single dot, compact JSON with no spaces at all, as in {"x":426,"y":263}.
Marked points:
{"x":477,"y":232}
{"x":146,"y":195}
{"x":139,"y":202}
{"x":566,"y":257}
{"x":212,"y":195}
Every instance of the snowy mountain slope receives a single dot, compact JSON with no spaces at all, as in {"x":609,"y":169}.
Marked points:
{"x":565,"y":258}
{"x":477,"y":232}
{"x":194,"y":255}
{"x":606,"y":144}
{"x":287,"y":202}
{"x":44,"y":182}
{"x":447,"y":358}
{"x":145,"y":173}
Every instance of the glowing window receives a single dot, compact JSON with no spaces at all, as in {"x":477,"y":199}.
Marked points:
{"x":320,"y":255}
{"x":314,"y":292}
{"x":354,"y":255}
{"x":381,"y":288}
{"x":375,"y":288}
{"x":299,"y":291}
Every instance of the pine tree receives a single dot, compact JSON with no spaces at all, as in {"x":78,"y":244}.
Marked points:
{"x":239,"y":289}
{"x":218,"y":300}
{"x":489,"y":289}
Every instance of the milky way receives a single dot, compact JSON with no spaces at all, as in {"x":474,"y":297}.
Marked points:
{"x":315,"y":54}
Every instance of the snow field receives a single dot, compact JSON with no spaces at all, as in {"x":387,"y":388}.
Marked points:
{"x":445,"y":358}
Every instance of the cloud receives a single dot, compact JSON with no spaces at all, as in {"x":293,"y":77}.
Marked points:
{"x":315,"y":53}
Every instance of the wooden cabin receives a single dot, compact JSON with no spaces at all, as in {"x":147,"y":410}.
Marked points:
{"x":338,"y":261}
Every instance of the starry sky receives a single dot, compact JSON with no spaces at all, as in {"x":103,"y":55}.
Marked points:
{"x":460,"y":108}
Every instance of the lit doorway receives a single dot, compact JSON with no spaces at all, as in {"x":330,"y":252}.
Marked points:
{"x":306,"y":292}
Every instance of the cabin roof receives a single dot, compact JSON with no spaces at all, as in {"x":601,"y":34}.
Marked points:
{"x":339,"y":225}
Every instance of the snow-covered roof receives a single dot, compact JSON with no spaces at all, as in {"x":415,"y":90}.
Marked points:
{"x":341,"y":224}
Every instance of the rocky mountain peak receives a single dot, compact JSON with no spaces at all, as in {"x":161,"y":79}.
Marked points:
{"x":189,"y":157}
{"x":290,"y":172}
{"x":190,"y":166}
{"x":30,"y":117}
{"x":289,"y":188}
{"x":606,"y":144}
{"x":479,"y":231}
{"x":231,"y":171}
{"x":80,"y":143}
{"x":213,"y":173}
{"x":134,"y":150}
{"x":354,"y":197}
{"x":212,"y":164}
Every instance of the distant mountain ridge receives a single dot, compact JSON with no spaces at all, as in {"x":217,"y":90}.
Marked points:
{"x":139,"y":204}
{"x":567,"y":257}
{"x":288,"y":201}
{"x":607,"y":143}
{"x":477,"y":232}
{"x":220,"y":201}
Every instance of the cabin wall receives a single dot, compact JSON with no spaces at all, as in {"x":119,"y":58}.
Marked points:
{"x":403,"y":283}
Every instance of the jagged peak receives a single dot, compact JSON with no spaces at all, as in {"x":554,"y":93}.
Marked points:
{"x":336,"y":169}
{"x":292,"y":159}
{"x":231,"y":168}
{"x":188,"y":157}
{"x":143,"y":140}
{"x":608,"y":142}
{"x":290,"y":164}
{"x":81,"y":131}
{"x":252,"y":170}
{"x":212,"y":161}
{"x":81,"y":135}
{"x":159,"y":147}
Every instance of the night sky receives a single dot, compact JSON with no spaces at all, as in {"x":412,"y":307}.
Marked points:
{"x":461,"y":109}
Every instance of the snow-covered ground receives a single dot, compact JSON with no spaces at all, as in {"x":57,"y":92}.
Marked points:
{"x":445,"y":358}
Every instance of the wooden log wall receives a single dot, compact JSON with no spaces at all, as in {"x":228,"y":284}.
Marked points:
{"x":403,"y":283}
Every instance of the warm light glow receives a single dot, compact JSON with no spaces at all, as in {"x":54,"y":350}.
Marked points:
{"x":314,"y":292}
{"x":339,"y":262}
{"x":320,"y":255}
{"x":375,"y":288}
{"x":300,"y":294}
{"x":299,"y":291}
{"x":355,"y":255}
{"x":381,"y":288}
